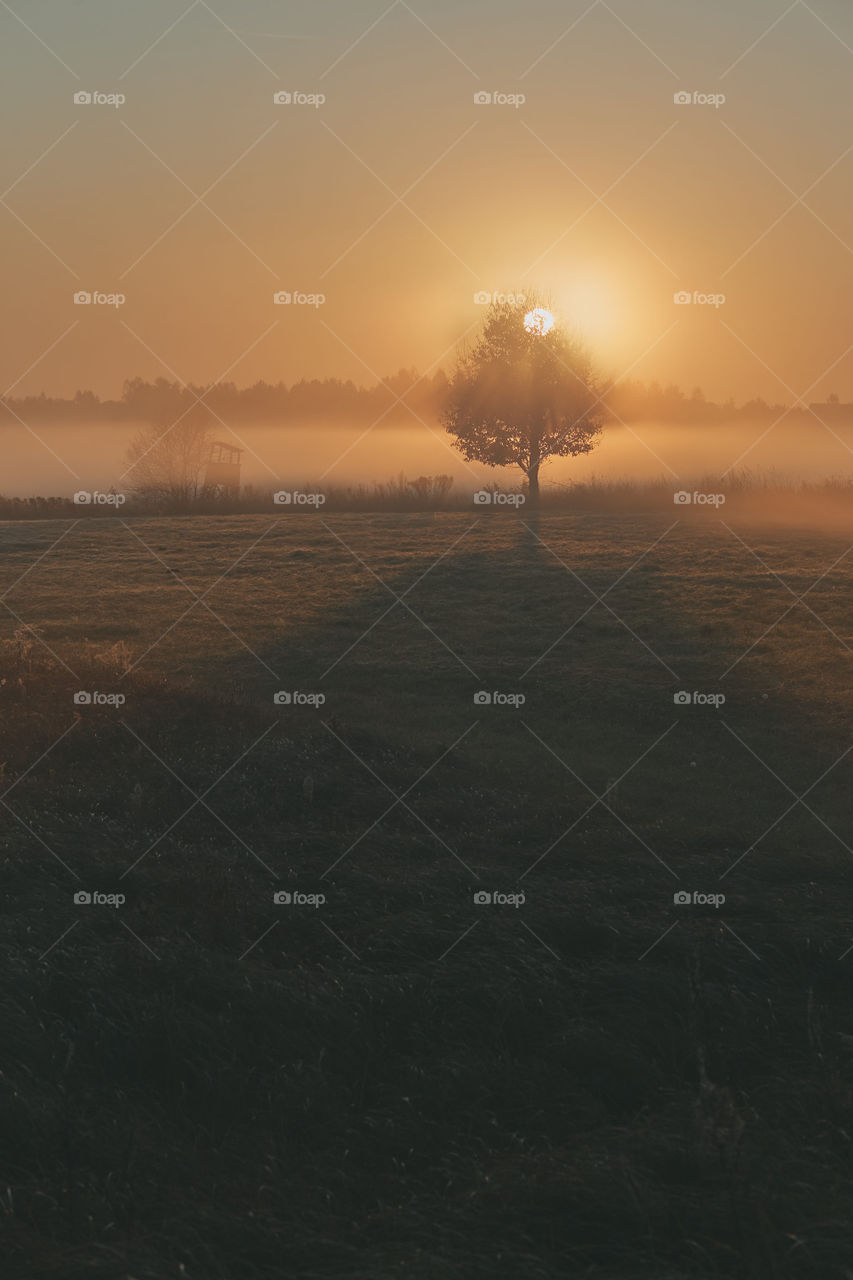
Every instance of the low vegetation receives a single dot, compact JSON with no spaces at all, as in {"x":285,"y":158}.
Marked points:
{"x":202,"y":1082}
{"x":754,"y":495}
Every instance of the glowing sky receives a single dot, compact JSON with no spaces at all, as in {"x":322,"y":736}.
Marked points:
{"x":400,"y":197}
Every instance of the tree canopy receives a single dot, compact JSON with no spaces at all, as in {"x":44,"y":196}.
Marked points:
{"x":519,"y":397}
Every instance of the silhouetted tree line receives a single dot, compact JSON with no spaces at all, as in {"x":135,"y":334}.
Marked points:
{"x":162,"y":401}
{"x":332,"y":400}
{"x":651,"y":402}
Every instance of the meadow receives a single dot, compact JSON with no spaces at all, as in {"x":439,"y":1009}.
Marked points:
{"x":581,"y":1077}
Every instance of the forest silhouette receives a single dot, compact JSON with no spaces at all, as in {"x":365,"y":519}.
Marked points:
{"x":335,"y":400}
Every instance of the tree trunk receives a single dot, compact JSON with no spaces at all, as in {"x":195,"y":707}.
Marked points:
{"x":533,"y":485}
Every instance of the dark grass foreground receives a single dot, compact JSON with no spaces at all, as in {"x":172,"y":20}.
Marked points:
{"x":202,"y":1083}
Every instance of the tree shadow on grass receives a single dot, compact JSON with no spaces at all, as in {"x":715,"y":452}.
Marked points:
{"x":599,"y":667}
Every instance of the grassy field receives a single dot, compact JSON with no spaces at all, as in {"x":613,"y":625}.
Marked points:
{"x":595,"y":1081}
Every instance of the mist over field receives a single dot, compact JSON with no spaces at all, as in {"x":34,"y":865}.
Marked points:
{"x":426,"y":640}
{"x":338,"y":455}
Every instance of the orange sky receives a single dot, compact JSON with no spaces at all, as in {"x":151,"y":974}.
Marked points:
{"x":399,"y":197}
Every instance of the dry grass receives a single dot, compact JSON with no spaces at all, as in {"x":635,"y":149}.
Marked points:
{"x":400,"y":1081}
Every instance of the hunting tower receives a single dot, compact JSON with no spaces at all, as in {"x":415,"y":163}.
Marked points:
{"x":223,"y":469}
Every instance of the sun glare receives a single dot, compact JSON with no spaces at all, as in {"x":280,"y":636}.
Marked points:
{"x":539,"y":321}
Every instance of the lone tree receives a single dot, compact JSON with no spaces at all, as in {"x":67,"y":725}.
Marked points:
{"x":169,"y":463}
{"x":525,"y":392}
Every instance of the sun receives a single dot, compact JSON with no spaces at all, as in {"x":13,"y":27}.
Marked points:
{"x":539,"y":321}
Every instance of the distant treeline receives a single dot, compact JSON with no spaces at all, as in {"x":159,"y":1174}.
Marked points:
{"x":745,"y":491}
{"x":334,"y":401}
{"x":163,"y":402}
